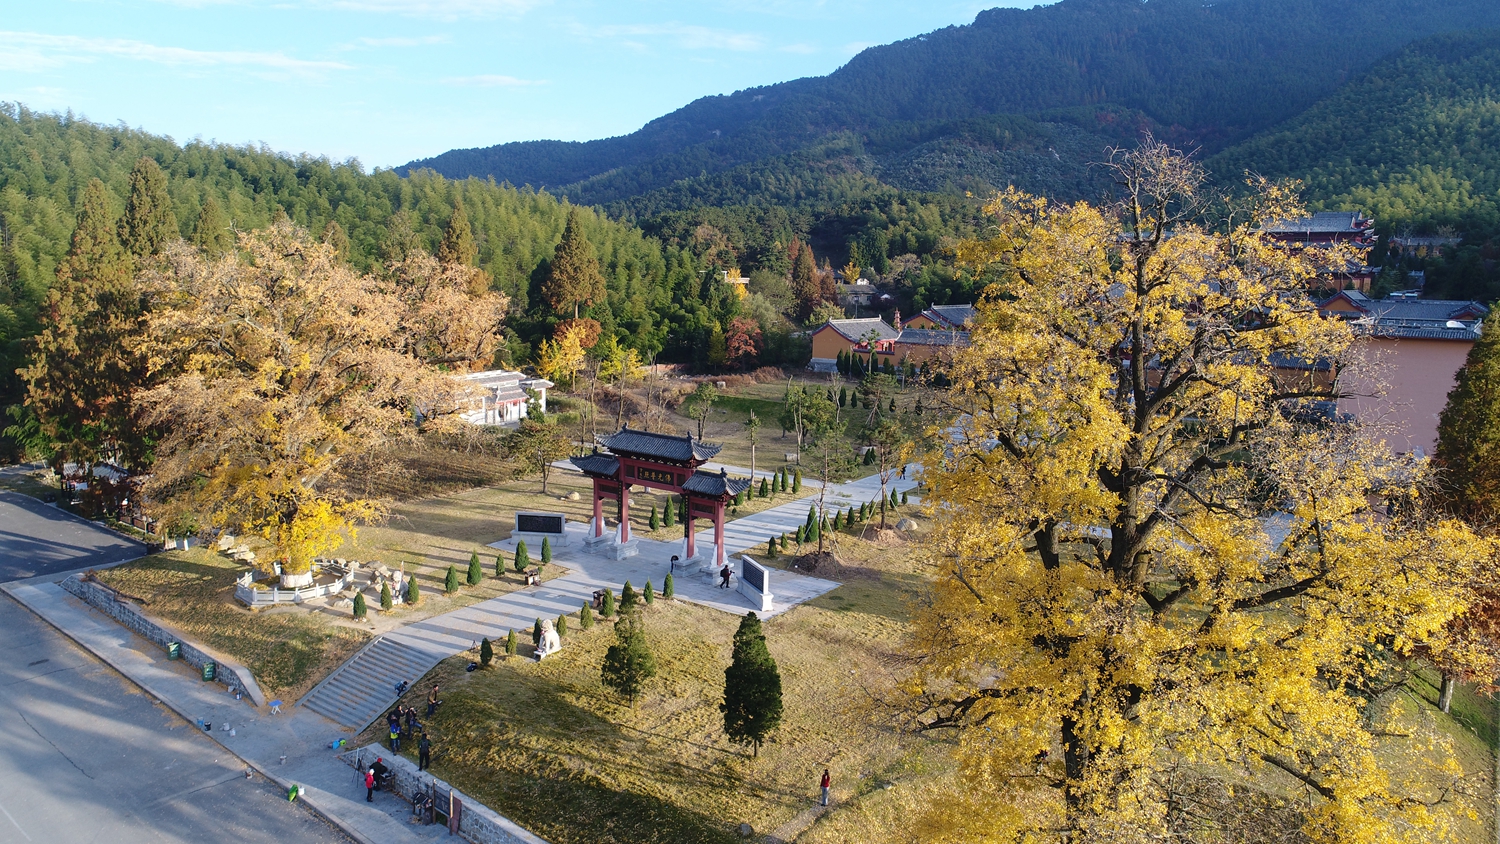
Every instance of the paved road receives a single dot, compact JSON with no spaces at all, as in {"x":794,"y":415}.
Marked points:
{"x":88,"y":757}
{"x":38,"y":539}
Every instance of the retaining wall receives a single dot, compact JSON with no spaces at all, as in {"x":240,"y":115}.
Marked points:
{"x":231,"y":674}
{"x":476,"y":823}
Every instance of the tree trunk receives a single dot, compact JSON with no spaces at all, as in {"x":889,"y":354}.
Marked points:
{"x":545,"y":467}
{"x":1445,"y":693}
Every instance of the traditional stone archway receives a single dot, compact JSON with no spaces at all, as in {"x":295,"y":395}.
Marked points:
{"x":664,"y":462}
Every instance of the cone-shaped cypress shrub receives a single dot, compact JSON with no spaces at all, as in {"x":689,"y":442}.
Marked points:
{"x":476,"y":571}
{"x":801,"y":534}
{"x":523,"y":557}
{"x":628,"y":598}
{"x":812,"y":534}
{"x":486,"y":653}
{"x":667,"y":589}
{"x":752,"y":687}
{"x":895,"y":500}
{"x":511,"y":643}
{"x":812,"y":516}
{"x":450,"y":582}
{"x":765,"y":489}
{"x":500,"y":564}
{"x":385,"y":596}
{"x":647,"y":595}
{"x":536,"y":634}
{"x":585,"y":618}
{"x":783,"y":480}
{"x":629,"y":663}
{"x":413,"y":593}
{"x":360,"y":610}
{"x":655,"y":519}
{"x":838,"y":520}
{"x":903,"y":499}
{"x":870,"y":457}
{"x":823,"y":525}
{"x":562,"y":625}
{"x":771,"y":547}
{"x":546,"y":550}
{"x":669,"y":516}
{"x":608,"y":608}
{"x":797,"y":481}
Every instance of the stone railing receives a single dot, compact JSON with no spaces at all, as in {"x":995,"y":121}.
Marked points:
{"x":476,"y":823}
{"x":233,"y":675}
{"x":251,"y":596}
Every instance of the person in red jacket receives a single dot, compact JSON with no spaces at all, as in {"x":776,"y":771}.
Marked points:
{"x":370,"y":786}
{"x":827,"y":781}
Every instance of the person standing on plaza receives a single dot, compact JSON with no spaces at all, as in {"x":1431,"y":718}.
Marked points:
{"x":424,"y":753}
{"x":432,"y":700}
{"x":370,"y":786}
{"x":824,"y":784}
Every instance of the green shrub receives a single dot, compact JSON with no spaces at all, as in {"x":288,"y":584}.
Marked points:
{"x":500,"y":564}
{"x":870,"y":457}
{"x":895,"y":500}
{"x":903,"y":499}
{"x":536,"y":634}
{"x":801,"y":534}
{"x":647,"y":595}
{"x":765,"y":489}
{"x":655,"y":520}
{"x":797,"y":481}
{"x":546,"y":550}
{"x":360,"y":610}
{"x":669,"y":516}
{"x":585,"y":617}
{"x":771,"y":547}
{"x":628,"y":598}
{"x":450,"y":582}
{"x":812,"y":534}
{"x":562,"y":625}
{"x":838,"y":519}
{"x":486,"y":653}
{"x":667,"y":589}
{"x":385,"y":596}
{"x":413,"y":592}
{"x":511,"y":644}
{"x":476,"y":571}
{"x":523,"y":558}
{"x":607,"y":609}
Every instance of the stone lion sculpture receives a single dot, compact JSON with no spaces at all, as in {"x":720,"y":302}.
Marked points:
{"x":551,"y":643}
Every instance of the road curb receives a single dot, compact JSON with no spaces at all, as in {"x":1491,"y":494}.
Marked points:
{"x":307,"y":797}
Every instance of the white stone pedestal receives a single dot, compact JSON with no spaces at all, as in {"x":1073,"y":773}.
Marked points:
{"x":296,"y":581}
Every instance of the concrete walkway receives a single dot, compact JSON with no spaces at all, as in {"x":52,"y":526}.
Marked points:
{"x":289,"y":748}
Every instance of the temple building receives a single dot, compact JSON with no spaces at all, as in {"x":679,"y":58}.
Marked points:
{"x":927,"y":337}
{"x":1325,"y":229}
{"x":498,"y":396}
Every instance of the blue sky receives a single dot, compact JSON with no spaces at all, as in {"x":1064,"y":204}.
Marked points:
{"x":387,"y":81}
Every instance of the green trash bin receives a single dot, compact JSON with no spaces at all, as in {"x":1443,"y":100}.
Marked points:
{"x":210,"y":670}
{"x":174,"y":650}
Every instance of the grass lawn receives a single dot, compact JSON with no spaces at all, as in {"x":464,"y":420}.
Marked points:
{"x":287,"y":650}
{"x":547,"y":745}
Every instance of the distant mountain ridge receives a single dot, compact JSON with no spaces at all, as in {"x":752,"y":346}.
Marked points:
{"x":1205,"y":74}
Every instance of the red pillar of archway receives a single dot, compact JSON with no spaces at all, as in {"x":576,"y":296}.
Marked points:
{"x":719,"y":533}
{"x":624,"y":513}
{"x":687,"y":527}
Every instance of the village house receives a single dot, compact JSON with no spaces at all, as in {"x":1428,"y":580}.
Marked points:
{"x":1325,"y":229}
{"x":1406,"y":362}
{"x":498,"y":396}
{"x":895,"y":343}
{"x":945,"y":317}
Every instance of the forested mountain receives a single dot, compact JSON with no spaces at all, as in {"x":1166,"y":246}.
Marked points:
{"x":1208,"y":74}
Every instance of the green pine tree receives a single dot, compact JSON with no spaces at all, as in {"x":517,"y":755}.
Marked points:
{"x":669,"y":514}
{"x":647,"y":595}
{"x":843,"y":397}
{"x":812,"y":534}
{"x":752,"y":687}
{"x":450,"y":581}
{"x":562,"y":625}
{"x":500,"y":564}
{"x":629,"y":662}
{"x":628,"y":598}
{"x":1468,"y":447}
{"x":838,"y":520}
{"x":797,"y":481}
{"x":812,"y":516}
{"x":546,"y":550}
{"x":574,"y":279}
{"x":607,"y":607}
{"x":895,"y":500}
{"x":386,"y":602}
{"x":476,"y":571}
{"x":668,"y":590}
{"x":486,"y":653}
{"x":523,"y":559}
{"x":585,"y":617}
{"x":360,"y":610}
{"x":512,"y":644}
{"x":149,"y":223}
{"x":765,"y":489}
{"x":801,"y":534}
{"x":211,"y":233}
{"x":413,"y":592}
{"x":655,"y":519}
{"x":458,"y":245}
{"x":783,"y":487}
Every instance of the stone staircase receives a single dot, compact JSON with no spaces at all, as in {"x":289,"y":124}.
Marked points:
{"x":363,"y":688}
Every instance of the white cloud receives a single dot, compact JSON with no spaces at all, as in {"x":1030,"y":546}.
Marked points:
{"x":492,"y":80}
{"x":685,"y":36}
{"x":33,"y":50}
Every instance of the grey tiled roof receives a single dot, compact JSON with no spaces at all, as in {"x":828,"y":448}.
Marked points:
{"x":710,"y":484}
{"x":661,"y":446}
{"x":955,"y":315}
{"x":1428,"y":310}
{"x":933,"y":337}
{"x":859,"y":329}
{"x":1323,"y":222}
{"x":597,"y":464}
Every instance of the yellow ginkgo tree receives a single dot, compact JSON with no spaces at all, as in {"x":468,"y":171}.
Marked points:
{"x":281,"y":366}
{"x":1163,"y":562}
